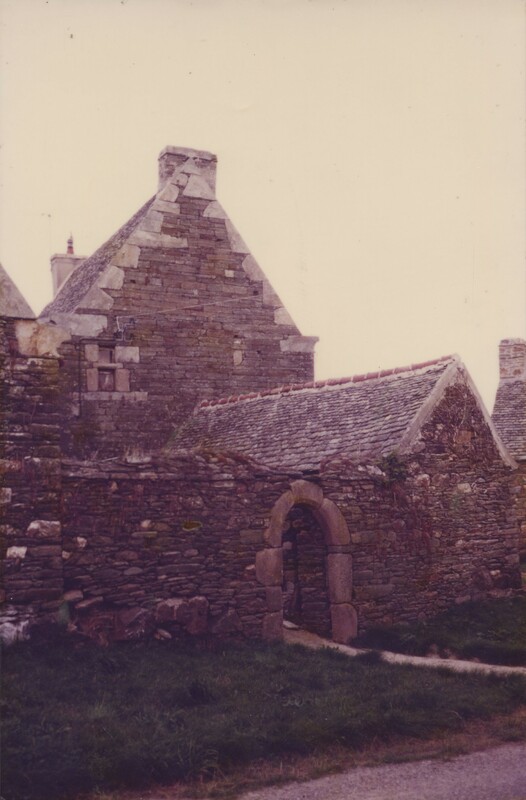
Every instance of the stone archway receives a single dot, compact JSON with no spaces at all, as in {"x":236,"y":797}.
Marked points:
{"x":269,"y":562}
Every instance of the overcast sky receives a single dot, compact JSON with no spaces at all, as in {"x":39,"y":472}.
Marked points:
{"x":371,"y":153}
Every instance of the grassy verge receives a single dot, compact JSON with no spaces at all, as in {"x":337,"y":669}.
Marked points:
{"x":493,"y":632}
{"x":140,"y":714}
{"x":275,"y":771}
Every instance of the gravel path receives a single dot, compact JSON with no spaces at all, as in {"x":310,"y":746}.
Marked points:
{"x":496,"y":774}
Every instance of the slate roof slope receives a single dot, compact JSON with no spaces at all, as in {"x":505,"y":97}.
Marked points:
{"x":297,"y":427}
{"x":12,"y":302}
{"x":84,"y":277}
{"x":509,"y":416}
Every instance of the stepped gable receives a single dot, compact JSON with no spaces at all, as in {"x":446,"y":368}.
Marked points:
{"x":185,"y":221}
{"x":12,"y":302}
{"x":85,"y":276}
{"x":298,"y":426}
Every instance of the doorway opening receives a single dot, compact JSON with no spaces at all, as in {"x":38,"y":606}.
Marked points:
{"x":306,"y":566}
{"x":305,"y":597}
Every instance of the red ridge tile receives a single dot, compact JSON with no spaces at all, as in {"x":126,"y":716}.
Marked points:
{"x":296,"y":387}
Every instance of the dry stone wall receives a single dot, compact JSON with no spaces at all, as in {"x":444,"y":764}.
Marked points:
{"x":154,"y":546}
{"x":208,"y":543}
{"x":433,"y":528}
{"x":30,"y":525}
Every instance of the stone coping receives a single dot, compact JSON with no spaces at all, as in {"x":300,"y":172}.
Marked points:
{"x":187,"y":151}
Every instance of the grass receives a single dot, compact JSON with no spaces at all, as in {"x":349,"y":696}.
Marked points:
{"x":134,"y":715}
{"x":475,"y":735}
{"x":493,"y":632}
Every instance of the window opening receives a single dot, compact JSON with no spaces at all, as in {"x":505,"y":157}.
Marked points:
{"x":106,"y":380}
{"x":106,"y":355}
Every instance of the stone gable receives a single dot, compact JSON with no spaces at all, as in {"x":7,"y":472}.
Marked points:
{"x":179,"y":310}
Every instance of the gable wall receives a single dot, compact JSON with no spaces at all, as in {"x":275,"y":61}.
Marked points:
{"x":191,"y":324}
{"x":475,"y":489}
{"x":432,"y":528}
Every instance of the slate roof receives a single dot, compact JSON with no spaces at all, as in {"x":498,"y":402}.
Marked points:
{"x":297,"y":427}
{"x":12,"y":302}
{"x":85,"y":275}
{"x":509,"y":416}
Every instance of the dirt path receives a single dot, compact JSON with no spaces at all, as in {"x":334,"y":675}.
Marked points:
{"x":312,"y":640}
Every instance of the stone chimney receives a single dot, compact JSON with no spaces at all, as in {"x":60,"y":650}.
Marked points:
{"x":62,"y":265}
{"x":512,"y":360}
{"x":187,"y":162}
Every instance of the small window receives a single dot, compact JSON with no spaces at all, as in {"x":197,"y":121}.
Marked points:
{"x":106,"y":380}
{"x":106,"y":355}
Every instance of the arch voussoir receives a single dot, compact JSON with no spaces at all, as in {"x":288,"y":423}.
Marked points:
{"x":307,"y":493}
{"x":280,"y":509}
{"x":333,"y":523}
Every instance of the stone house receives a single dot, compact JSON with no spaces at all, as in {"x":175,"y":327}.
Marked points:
{"x":509,"y":417}
{"x":157,"y":481}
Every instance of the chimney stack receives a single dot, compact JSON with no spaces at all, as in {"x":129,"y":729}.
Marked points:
{"x":187,"y":161}
{"x":512,"y":360}
{"x":62,"y":265}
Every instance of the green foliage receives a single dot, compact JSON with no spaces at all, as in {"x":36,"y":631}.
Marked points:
{"x":493,"y":632}
{"x":135,"y":714}
{"x":394,"y":468}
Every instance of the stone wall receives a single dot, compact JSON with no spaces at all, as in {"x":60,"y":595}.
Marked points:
{"x":153,"y":546}
{"x":199,"y":542}
{"x":519,"y":492}
{"x":31,"y":476}
{"x":176,"y":546}
{"x":430,"y":529}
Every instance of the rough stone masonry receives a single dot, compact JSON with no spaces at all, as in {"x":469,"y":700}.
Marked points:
{"x":171,"y":468}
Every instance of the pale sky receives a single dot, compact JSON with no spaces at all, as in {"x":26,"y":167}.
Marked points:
{"x":371,"y":153}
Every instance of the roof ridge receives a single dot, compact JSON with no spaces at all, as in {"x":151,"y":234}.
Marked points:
{"x":295,"y":387}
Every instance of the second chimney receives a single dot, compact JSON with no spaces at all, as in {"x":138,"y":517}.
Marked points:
{"x":512,"y":359}
{"x":62,"y":265}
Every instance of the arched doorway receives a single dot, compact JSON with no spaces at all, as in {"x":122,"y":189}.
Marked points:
{"x":305,"y":596}
{"x":342,"y":619}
